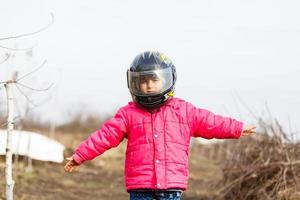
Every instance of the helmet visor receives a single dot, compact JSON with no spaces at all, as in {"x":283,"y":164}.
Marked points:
{"x":147,"y":83}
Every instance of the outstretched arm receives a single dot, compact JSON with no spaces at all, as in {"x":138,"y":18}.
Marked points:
{"x":208,"y":125}
{"x":110,"y":135}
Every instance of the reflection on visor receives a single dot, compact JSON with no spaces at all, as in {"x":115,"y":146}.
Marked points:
{"x":148,"y":77}
{"x":150,"y":82}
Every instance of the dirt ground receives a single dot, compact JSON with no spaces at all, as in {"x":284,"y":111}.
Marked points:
{"x":99,"y":179}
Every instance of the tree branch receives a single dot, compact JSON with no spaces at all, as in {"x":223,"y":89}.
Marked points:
{"x":32,"y":71}
{"x":17,"y":49}
{"x":5,"y":59}
{"x":27,"y":98}
{"x":31,"y":33}
{"x":25,"y":86}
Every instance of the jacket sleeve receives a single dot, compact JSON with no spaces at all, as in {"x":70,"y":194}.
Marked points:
{"x":206,"y":124}
{"x":110,"y":135}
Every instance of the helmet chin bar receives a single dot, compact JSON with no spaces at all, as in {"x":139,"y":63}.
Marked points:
{"x":153,"y":101}
{"x":150,"y":102}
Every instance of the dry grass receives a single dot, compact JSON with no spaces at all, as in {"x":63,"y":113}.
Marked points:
{"x":101,"y":178}
{"x":261,"y":167}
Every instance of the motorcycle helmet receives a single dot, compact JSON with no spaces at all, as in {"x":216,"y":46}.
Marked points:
{"x":151,"y":79}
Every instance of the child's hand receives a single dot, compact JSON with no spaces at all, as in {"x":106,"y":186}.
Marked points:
{"x":248,"y":131}
{"x":71,"y":165}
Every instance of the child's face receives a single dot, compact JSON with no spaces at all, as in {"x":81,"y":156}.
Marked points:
{"x":150,"y":85}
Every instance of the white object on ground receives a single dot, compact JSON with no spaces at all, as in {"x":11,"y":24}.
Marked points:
{"x":33,"y":145}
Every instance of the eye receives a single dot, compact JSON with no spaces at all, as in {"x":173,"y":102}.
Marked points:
{"x":144,"y":80}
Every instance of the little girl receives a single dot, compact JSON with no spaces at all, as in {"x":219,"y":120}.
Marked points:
{"x":158,"y":128}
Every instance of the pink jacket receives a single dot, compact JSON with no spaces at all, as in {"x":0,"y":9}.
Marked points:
{"x":158,"y":142}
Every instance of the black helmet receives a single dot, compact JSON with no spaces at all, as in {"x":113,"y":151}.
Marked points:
{"x":148,"y":68}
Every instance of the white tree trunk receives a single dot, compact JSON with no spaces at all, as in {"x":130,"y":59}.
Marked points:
{"x":10,"y":127}
{"x":52,"y":130}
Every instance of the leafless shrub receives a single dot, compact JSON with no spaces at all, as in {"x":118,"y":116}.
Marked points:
{"x":265,"y":166}
{"x":82,"y":123}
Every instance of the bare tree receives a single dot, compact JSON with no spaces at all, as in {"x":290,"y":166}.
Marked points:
{"x":10,"y":127}
{"x":10,"y":103}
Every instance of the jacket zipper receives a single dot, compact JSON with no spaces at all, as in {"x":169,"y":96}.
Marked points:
{"x":154,"y":155}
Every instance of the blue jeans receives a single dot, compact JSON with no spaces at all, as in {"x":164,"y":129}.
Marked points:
{"x":155,"y":194}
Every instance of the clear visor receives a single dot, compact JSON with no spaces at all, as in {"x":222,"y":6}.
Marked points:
{"x":150,"y":82}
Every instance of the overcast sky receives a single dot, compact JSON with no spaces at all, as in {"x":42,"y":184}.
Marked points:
{"x":222,"y":50}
